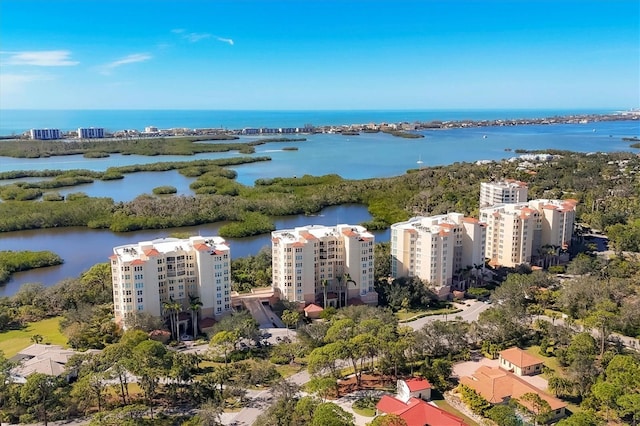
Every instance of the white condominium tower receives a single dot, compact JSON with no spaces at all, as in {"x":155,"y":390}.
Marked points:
{"x":517,"y":232}
{"x":149,"y":273}
{"x":311,"y":260}
{"x":502,"y":192}
{"x":435,"y":248}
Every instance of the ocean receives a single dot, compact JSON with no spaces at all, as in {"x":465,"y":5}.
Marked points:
{"x":19,"y":121}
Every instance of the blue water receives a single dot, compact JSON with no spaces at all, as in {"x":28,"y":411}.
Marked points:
{"x":19,"y":121}
{"x":352,"y":157}
{"x":82,"y":248}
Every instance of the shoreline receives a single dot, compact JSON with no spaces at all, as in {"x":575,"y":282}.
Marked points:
{"x":632,"y":115}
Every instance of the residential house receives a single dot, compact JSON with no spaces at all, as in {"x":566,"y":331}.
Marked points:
{"x":498,"y":386}
{"x":416,"y":412}
{"x":46,"y":359}
{"x":520,"y":362}
{"x":415,"y":387}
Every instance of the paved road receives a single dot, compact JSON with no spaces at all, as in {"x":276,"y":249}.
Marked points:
{"x":260,"y":402}
{"x":469,"y":314}
{"x":263,"y":314}
{"x":263,"y":399}
{"x":628,"y":342}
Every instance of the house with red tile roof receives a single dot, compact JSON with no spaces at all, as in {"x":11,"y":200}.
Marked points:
{"x":417,"y":412}
{"x":498,"y":386}
{"x":313,"y":311}
{"x":415,"y":387}
{"x":520,"y":362}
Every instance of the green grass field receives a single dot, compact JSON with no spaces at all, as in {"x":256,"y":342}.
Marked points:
{"x":13,"y":341}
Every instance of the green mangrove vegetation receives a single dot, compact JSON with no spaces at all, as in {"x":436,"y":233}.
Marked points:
{"x":16,"y":261}
{"x":165,"y":190}
{"x":23,"y":191}
{"x":146,"y":146}
{"x":606,"y":185}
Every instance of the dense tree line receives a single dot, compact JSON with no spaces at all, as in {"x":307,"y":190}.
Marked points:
{"x":147,"y":146}
{"x":15,"y":261}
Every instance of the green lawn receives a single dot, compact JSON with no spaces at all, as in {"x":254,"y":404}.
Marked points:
{"x":549,"y":361}
{"x":366,"y":412}
{"x":13,"y":341}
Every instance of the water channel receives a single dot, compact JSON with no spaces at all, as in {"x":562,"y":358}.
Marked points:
{"x":81,"y":248}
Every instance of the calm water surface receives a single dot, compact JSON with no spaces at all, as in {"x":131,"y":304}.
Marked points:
{"x":81,"y":248}
{"x":352,"y":157}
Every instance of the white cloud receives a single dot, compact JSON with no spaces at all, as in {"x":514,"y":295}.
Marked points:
{"x":195,"y":37}
{"x":130,"y":59}
{"x":13,"y":83}
{"x":225,"y":40}
{"x":40,"y":58}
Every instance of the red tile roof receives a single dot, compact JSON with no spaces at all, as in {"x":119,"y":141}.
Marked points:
{"x":470,"y":220}
{"x":418,"y":384}
{"x":418,"y":413}
{"x":313,"y":308}
{"x":496,"y":385}
{"x":201,"y":247}
{"x":151,"y":252}
{"x":520,"y":358}
{"x":138,"y":262}
{"x":349,"y":233}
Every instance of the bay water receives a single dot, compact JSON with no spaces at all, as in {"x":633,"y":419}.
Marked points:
{"x":352,"y":157}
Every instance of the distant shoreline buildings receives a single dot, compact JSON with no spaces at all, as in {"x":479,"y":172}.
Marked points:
{"x":153,"y":131}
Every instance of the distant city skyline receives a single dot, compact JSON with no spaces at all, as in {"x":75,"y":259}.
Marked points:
{"x":319,"y":55}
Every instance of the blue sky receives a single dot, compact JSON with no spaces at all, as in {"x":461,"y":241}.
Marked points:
{"x":330,"y":54}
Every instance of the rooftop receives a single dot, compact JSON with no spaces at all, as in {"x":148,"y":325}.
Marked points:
{"x":520,"y":358}
{"x":497,"y":385}
{"x":417,"y":412}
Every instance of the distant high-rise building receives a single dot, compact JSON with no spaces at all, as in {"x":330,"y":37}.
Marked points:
{"x":437,"y":247}
{"x":149,"y":273}
{"x":90,"y":133}
{"x":45,"y":134}
{"x":307,"y":259}
{"x":516,"y":233}
{"x":502,"y":192}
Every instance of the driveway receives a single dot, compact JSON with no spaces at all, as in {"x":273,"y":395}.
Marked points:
{"x":468,"y":314}
{"x":467,"y":368}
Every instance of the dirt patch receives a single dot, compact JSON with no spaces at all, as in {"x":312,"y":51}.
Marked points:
{"x":368,"y":382}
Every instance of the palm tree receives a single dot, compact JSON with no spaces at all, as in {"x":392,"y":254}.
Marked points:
{"x":194,"y":305}
{"x":324,"y":291}
{"x":339,"y":287}
{"x":347,"y":280}
{"x":167,"y":307}
{"x":173,"y":308}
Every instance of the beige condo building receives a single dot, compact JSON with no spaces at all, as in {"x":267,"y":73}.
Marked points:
{"x":437,"y":247}
{"x":149,"y":273}
{"x":507,"y":191}
{"x":305,"y":258}
{"x":517,"y":232}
